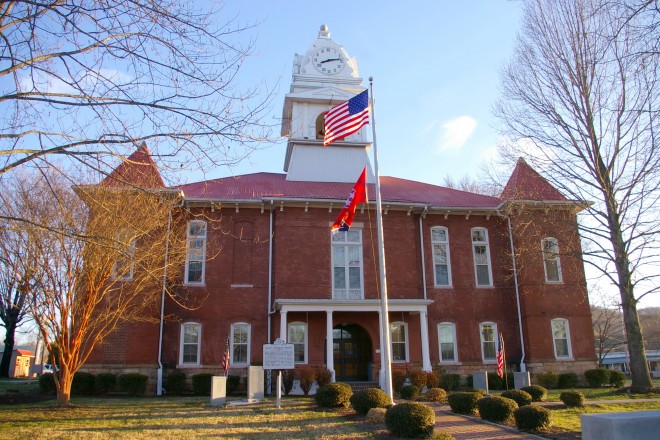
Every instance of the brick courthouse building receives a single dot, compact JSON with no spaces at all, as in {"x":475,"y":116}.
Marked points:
{"x":263,"y":260}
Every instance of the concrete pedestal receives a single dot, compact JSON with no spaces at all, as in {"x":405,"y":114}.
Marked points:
{"x":480,"y":380}
{"x":255,"y":384}
{"x":218,"y":390}
{"x":521,"y":379}
{"x":638,"y":425}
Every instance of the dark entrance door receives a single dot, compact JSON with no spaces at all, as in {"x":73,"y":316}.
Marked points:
{"x":352,"y":353}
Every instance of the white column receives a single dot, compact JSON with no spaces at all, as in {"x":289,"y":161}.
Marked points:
{"x":424,"y":330}
{"x":283,"y":325}
{"x":381,"y":372}
{"x":329,"y":345}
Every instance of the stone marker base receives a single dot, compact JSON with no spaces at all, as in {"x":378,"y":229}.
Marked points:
{"x":637,"y":425}
{"x":218,"y":390}
{"x":521,"y":379}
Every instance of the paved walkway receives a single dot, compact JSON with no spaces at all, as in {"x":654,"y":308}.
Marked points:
{"x":464,"y":427}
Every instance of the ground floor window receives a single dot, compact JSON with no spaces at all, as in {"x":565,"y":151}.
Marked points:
{"x":190,"y":343}
{"x":561,"y":339}
{"x":447,"y":342}
{"x":240,"y":344}
{"x":399,"y":336}
{"x":488,"y":331}
{"x":298,"y":337}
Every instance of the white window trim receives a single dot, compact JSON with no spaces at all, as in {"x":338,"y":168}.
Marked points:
{"x":188,"y":238}
{"x":406,"y":342}
{"x":181,"y":343}
{"x":130,"y":251}
{"x":474,"y":258}
{"x":446,"y":243}
{"x":568,"y":340}
{"x":453,"y":329}
{"x":304,"y":361}
{"x":249,"y":345}
{"x":557,"y":259}
{"x":332,"y":261}
{"x":481,"y":342}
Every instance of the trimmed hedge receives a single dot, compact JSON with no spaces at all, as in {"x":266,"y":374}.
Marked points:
{"x":597,"y":377}
{"x":409,"y":392}
{"x":548,"y":379}
{"x":450,"y":382}
{"x":364,"y":400}
{"x":436,"y":395}
{"x":83,"y":384}
{"x":334,"y":395}
{"x":572,"y":399}
{"x":432,"y":379}
{"x":201,"y":384}
{"x":47,"y":383}
{"x":232,"y":384}
{"x":521,"y":397}
{"x":288,"y":376}
{"x":398,"y":378}
{"x":306,"y":376}
{"x":617,"y":378}
{"x":134,"y":384}
{"x":410,"y":420}
{"x":496,"y":409}
{"x":105,"y":382}
{"x":175,"y":383}
{"x":532,"y":418}
{"x":464,"y":402}
{"x":495,"y":382}
{"x":323,"y":377}
{"x":538,"y":393}
{"x":567,"y":380}
{"x":418,"y":378}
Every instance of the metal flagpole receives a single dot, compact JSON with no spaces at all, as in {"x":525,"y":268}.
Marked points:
{"x":506,"y":378}
{"x":385,"y":330}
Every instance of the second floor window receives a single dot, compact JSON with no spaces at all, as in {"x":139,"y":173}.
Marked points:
{"x":196,"y":252}
{"x":551,"y":260}
{"x":122,"y":270}
{"x":481,"y":253}
{"x":347,"y":264}
{"x":441,"y":265}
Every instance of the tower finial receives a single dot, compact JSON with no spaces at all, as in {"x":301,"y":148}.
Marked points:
{"x":324,"y":32}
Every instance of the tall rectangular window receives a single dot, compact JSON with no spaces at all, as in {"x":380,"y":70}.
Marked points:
{"x":398,"y":338}
{"x":122,"y":270}
{"x":347,"y":264}
{"x":298,"y":337}
{"x":447,"y":342}
{"x":551,"y":262}
{"x":441,"y":264}
{"x":240,"y":344}
{"x":190,"y":343}
{"x":196,"y":253}
{"x":481,"y":254}
{"x":488,"y":331}
{"x":561,"y":339}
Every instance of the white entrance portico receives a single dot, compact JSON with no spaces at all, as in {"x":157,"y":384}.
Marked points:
{"x":412,"y":306}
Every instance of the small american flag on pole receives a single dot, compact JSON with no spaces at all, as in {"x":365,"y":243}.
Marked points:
{"x":346,"y":118}
{"x":225,"y":359}
{"x":500,"y":356}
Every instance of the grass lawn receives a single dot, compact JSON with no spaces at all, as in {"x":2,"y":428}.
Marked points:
{"x":19,"y":385}
{"x":182,"y":417}
{"x":601,"y":394}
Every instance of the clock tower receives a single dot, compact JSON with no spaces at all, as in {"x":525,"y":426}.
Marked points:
{"x":322,"y":78}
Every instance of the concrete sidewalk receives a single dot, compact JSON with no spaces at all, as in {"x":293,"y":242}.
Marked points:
{"x":465,"y":427}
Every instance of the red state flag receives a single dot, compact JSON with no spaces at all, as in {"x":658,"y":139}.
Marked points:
{"x":358,"y":195}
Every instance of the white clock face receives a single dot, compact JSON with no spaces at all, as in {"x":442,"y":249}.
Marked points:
{"x":328,"y":60}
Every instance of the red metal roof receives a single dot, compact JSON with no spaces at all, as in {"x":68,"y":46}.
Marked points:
{"x":266,"y":185}
{"x":22,"y":352}
{"x":527,"y":184}
{"x":138,"y":169}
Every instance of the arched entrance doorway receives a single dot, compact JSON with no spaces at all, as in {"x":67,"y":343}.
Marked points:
{"x":352,"y":353}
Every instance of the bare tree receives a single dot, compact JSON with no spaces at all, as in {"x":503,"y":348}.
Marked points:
{"x":609,"y":331}
{"x":580,"y":104}
{"x":102,"y":256}
{"x":87,"y":80}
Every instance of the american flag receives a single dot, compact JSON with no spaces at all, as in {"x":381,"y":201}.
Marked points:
{"x":346,"y":118}
{"x":500,"y":356}
{"x":225,"y":359}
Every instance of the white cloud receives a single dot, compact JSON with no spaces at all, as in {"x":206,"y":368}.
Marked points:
{"x":455,"y":133}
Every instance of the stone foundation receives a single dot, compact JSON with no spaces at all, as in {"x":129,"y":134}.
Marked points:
{"x":149,"y":370}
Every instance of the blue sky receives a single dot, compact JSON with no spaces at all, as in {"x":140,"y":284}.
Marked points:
{"x":435,"y":66}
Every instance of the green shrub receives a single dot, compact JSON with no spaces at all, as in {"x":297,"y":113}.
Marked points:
{"x":464,"y":402}
{"x":105,"y":383}
{"x":450,"y":382}
{"x":521,"y":397}
{"x":495,"y":382}
{"x":288,"y":376}
{"x":496,"y":409}
{"x":201,"y":384}
{"x":306,"y":376}
{"x":134,"y":384}
{"x":323,"y":377}
{"x":334,"y":395}
{"x":481,"y":391}
{"x":409,"y":392}
{"x":410,"y":420}
{"x":432,"y":379}
{"x":232,"y":384}
{"x":398,"y":378}
{"x":364,"y":400}
{"x":469,"y":381}
{"x":83,"y":384}
{"x":548,"y":379}
{"x":418,"y":378}
{"x":175,"y":383}
{"x":567,"y":380}
{"x":597,"y":377}
{"x":538,"y":393}
{"x":617,"y":378}
{"x":436,"y":395}
{"x":532,"y":418}
{"x":47,"y":383}
{"x":572,"y":399}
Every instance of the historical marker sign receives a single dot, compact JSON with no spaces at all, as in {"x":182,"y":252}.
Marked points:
{"x":278,"y":356}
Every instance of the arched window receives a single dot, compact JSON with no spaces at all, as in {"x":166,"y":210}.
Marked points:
{"x":298,"y":337}
{"x":240,"y":344}
{"x":488,"y":334}
{"x":122,"y":270}
{"x":551,"y":263}
{"x":441,"y":263}
{"x":320,"y":126}
{"x":561,"y":338}
{"x":190,"y":349}
{"x":447,"y":342}
{"x":399,"y":339}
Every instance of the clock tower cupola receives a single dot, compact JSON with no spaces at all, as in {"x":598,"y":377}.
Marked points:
{"x":322,"y":78}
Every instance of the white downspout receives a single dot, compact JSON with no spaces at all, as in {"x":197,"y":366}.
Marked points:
{"x":515,"y":282}
{"x":270,"y":268}
{"x":421,"y":247}
{"x":159,"y":380}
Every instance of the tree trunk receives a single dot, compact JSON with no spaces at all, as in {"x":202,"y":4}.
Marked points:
{"x":9,"y":348}
{"x":65,"y":378}
{"x":639,"y":368}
